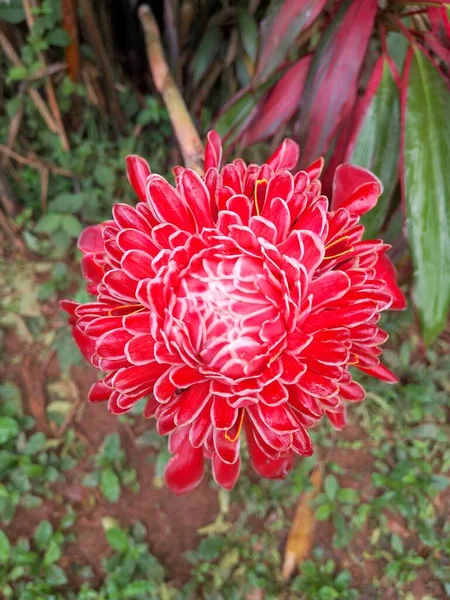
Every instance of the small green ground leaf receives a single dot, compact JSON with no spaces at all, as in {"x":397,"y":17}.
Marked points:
{"x":110,"y":485}
{"x":427,"y":191}
{"x":5,"y":548}
{"x":117,"y":539}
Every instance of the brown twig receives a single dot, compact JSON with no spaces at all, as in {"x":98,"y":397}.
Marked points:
{"x":14,"y":126}
{"x":96,"y":42}
{"x":185,"y":131}
{"x":35,"y":162}
{"x":69,"y":21}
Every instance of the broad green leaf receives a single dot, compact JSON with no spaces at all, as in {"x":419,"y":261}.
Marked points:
{"x":12,"y":11}
{"x":58,"y":37}
{"x":43,"y":533}
{"x":206,"y":52}
{"x":331,"y":486}
{"x":9,"y":429}
{"x":117,"y":539}
{"x":48,"y":223}
{"x":377,"y":146}
{"x":427,"y":191}
{"x":72,"y":225}
{"x":249,"y":32}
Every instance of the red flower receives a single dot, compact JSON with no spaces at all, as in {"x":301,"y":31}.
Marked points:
{"x":235,"y":302}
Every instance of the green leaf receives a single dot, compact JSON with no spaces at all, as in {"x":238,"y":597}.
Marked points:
{"x":72,"y":225}
{"x":68,"y":203}
{"x":206,"y":53}
{"x":211,"y":547}
{"x":378,"y":145}
{"x":323,"y":512}
{"x":5,"y":547}
{"x":53,"y":553}
{"x":249,"y":32}
{"x":58,"y":37}
{"x":117,"y":539}
{"x":10,"y":399}
{"x":43,"y":533}
{"x":138,"y":589}
{"x":35,"y":443}
{"x":9,"y":429}
{"x":48,"y":223}
{"x":104,"y":175}
{"x":55,"y":576}
{"x":429,"y":431}
{"x":12,"y":12}
{"x":111,"y":447}
{"x":348,"y":496}
{"x":331,"y":486}
{"x":110,"y":485}
{"x":427,"y":191}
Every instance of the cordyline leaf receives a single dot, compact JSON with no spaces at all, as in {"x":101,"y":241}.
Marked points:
{"x":280,"y":105}
{"x":249,"y":33}
{"x":300,"y":536}
{"x":234,"y":118}
{"x":426,"y":188}
{"x":332,"y":80}
{"x":206,"y":53}
{"x":375,"y":142}
{"x":439,"y":38}
{"x":283,"y":23}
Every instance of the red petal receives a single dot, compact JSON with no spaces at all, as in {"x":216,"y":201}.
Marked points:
{"x":381,"y":372}
{"x":137,"y":264}
{"x":120,"y":285}
{"x":385,"y":271}
{"x":191,"y":403}
{"x":138,"y":171}
{"x":197,"y":197}
{"x":278,"y":418}
{"x":91,"y":240}
{"x":99,"y":392}
{"x":227,"y":449}
{"x":223,"y":416}
{"x":167,"y":204}
{"x":264,"y":466}
{"x":337,"y":419}
{"x":348,"y":179}
{"x":353,"y":391}
{"x":140,"y":350}
{"x":285,"y":156}
{"x":224,"y":474}
{"x":213,"y":151}
{"x":184,"y":471}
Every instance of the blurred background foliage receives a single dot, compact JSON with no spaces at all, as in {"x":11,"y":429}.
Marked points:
{"x":364,"y":81}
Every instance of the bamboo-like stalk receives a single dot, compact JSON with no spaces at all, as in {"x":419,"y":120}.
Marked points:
{"x":69,"y":20}
{"x":185,"y":131}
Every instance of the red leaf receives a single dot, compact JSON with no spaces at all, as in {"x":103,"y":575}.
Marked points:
{"x":280,"y":29}
{"x":280,"y":105}
{"x":333,"y":77}
{"x":439,"y":38}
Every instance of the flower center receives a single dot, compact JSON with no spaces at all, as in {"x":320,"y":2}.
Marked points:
{"x":239,"y":322}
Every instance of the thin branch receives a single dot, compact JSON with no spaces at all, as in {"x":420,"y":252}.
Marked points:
{"x":185,"y":131}
{"x":69,"y":20}
{"x":37,"y":163}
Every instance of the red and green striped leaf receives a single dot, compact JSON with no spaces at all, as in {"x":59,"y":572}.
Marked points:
{"x":333,"y":76}
{"x":280,"y":105}
{"x":284,"y":22}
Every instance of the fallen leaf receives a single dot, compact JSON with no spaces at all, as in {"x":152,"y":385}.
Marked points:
{"x":301,"y":534}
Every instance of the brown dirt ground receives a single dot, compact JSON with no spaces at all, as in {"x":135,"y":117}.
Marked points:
{"x":172,"y":522}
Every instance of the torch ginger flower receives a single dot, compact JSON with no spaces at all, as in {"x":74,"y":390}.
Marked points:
{"x":235,"y":304}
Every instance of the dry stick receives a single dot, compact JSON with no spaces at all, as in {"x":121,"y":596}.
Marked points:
{"x":49,"y":90}
{"x":37,"y":163}
{"x":69,"y":19}
{"x":34,"y":94}
{"x":95,"y":39}
{"x":185,"y":131}
{"x":14,"y":125}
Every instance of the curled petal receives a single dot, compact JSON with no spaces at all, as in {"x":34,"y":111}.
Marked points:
{"x":138,"y":171}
